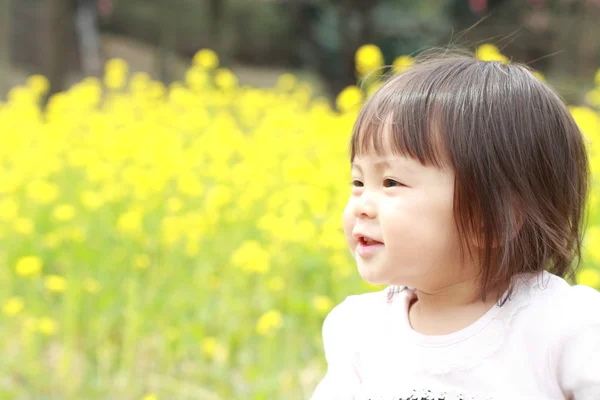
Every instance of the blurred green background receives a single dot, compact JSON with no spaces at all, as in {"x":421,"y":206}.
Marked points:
{"x":173,"y":172}
{"x":315,"y":38}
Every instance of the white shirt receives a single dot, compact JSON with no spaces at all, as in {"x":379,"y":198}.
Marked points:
{"x":543,"y":344}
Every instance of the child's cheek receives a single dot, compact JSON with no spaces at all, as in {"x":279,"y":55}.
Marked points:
{"x":348,"y":222}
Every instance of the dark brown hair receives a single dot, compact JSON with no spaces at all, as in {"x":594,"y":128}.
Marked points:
{"x":519,"y":158}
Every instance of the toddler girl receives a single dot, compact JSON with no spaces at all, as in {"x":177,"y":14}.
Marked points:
{"x":469,"y":187}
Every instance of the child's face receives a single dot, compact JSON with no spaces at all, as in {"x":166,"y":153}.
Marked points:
{"x":405,"y":210}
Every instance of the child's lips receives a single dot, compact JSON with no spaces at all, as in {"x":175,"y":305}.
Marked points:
{"x":368,"y":247}
{"x":361,"y":236}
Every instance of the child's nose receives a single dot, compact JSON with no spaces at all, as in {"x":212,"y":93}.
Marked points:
{"x":364,"y":208}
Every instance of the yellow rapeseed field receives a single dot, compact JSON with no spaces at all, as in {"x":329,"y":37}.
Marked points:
{"x":183,"y":242}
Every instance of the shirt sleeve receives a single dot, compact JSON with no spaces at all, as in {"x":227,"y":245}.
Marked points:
{"x":342,"y":379}
{"x":579,"y":362}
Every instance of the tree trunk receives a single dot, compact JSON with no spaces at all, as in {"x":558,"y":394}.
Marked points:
{"x":60,"y":15}
{"x":5,"y":46}
{"x":167,"y":39}
{"x":304,"y":17}
{"x":88,"y":36}
{"x":217,"y":12}
{"x":301,"y":18}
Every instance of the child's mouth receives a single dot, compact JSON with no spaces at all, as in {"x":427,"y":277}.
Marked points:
{"x":367,"y":247}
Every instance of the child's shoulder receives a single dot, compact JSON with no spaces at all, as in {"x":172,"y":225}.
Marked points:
{"x":564,"y":303}
{"x":566,"y":321}
{"x":559,"y":292}
{"x":358,"y":304}
{"x":356,"y":311}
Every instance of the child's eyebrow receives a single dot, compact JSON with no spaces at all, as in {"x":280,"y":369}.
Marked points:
{"x":377,"y":164}
{"x":382,"y":163}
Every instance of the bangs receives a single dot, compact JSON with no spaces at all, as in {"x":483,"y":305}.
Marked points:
{"x":383,"y":130}
{"x":407,"y":116}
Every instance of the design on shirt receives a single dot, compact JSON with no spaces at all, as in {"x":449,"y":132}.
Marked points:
{"x":430,"y":395}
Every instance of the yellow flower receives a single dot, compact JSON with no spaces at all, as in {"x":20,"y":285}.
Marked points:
{"x":213,"y":349}
{"x":402,"y":63}
{"x":368,"y":58}
{"x":206,"y":58}
{"x":192,"y":247}
{"x":150,"y":396}
{"x":115,"y":73}
{"x":489,"y":52}
{"x":91,"y":285}
{"x":590,"y":244}
{"x":197,"y":78}
{"x":539,"y":75}
{"x":88,"y":92}
{"x":322,"y":304}
{"x":276,"y":284}
{"x":29,"y":266}
{"x":9,"y":183}
{"x":63,"y":212}
{"x":13,"y":306}
{"x":139,"y":82}
{"x":593,"y":97}
{"x":20,"y":95}
{"x":91,"y":200}
{"x":55,"y":283}
{"x":174,"y":205}
{"x":218,"y":197}
{"x":208,"y":346}
{"x":9,"y":209}
{"x":225,"y":79}
{"x":189,"y":184}
{"x":588,"y":121}
{"x":589,"y":277}
{"x":251,"y":257}
{"x":130,"y":221}
{"x":349,"y":98}
{"x":141,"y":261}
{"x":38,"y":83}
{"x":42,"y":192}
{"x":269,"y":322}
{"x":47,"y":326}
{"x":157,"y":90}
{"x":23,"y":226}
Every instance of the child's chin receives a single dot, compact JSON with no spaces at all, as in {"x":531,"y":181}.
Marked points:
{"x":372,"y":277}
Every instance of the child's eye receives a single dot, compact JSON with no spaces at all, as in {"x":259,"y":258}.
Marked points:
{"x":392,"y":183}
{"x":357,"y":183}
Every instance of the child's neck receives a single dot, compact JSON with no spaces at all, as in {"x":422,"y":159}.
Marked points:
{"x":449,"y":309}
